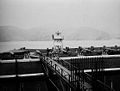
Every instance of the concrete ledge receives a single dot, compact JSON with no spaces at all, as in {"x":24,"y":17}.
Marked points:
{"x":22,"y":75}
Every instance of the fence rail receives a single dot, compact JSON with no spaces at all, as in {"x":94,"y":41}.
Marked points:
{"x":73,"y":72}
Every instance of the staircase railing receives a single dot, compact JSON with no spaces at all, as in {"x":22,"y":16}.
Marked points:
{"x":64,"y":73}
{"x":74,"y":76}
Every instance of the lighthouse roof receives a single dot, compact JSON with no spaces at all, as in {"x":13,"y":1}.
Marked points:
{"x":57,"y":36}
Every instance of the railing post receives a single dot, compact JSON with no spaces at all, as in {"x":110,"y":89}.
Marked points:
{"x":78,"y":86}
{"x":16,"y":71}
{"x":61,"y":72}
{"x":69,"y":78}
{"x":55,"y":67}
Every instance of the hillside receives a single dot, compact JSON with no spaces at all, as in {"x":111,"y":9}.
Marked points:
{"x":10,"y":33}
{"x":86,"y":33}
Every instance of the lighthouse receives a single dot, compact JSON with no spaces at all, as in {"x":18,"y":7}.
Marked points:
{"x":57,"y":41}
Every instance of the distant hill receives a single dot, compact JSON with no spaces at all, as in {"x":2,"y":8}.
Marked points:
{"x":11,"y":33}
{"x":117,"y":36}
{"x":86,"y":33}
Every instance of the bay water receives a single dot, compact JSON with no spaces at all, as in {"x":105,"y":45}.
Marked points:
{"x":6,"y":46}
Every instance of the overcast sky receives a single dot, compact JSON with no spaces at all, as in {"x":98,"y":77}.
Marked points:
{"x":103,"y":15}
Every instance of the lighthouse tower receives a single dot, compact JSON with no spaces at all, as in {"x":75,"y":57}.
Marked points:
{"x":57,"y":41}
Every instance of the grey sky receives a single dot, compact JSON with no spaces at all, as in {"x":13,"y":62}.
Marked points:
{"x":103,"y":15}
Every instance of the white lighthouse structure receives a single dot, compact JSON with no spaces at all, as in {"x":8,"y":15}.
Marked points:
{"x":57,"y":41}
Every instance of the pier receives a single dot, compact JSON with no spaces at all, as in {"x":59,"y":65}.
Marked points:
{"x":60,"y":69}
{"x":74,"y":70}
{"x":78,"y":73}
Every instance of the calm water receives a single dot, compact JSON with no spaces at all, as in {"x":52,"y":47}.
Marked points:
{"x":5,"y":46}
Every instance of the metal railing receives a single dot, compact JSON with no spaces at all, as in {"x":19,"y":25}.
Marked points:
{"x":75,"y":76}
{"x":61,"y":71}
{"x":96,"y":65}
{"x":64,"y":69}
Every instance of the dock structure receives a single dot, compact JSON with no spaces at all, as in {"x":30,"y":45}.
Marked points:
{"x":80,"y":73}
{"x":101,"y":62}
{"x":65,"y":73}
{"x":75,"y":73}
{"x":59,"y":69}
